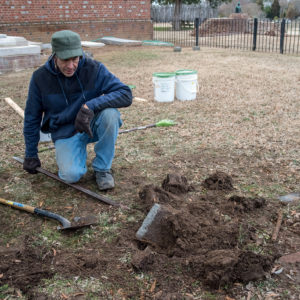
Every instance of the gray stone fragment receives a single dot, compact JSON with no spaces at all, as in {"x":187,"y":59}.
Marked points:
{"x":290,"y":198}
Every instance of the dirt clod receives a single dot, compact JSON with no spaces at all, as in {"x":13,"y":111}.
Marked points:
{"x":143,"y":260}
{"x":218,"y":181}
{"x":247,"y":204}
{"x":176,"y":184}
{"x":151,"y":194}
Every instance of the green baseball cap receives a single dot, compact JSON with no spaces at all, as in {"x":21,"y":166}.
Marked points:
{"x":66,"y":44}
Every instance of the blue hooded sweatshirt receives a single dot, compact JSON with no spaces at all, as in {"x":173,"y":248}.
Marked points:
{"x":57,"y":99}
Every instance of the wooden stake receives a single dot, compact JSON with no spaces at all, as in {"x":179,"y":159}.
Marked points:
{"x":15,"y":106}
{"x":278,"y":224}
{"x":139,"y":99}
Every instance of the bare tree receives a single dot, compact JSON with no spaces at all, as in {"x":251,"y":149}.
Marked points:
{"x":293,"y":10}
{"x":176,"y":22}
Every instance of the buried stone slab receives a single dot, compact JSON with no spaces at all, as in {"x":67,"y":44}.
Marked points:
{"x":157,"y":229}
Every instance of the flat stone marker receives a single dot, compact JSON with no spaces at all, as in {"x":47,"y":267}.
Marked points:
{"x":110,"y":40}
{"x":12,"y":41}
{"x":92,"y":44}
{"x":16,"y":53}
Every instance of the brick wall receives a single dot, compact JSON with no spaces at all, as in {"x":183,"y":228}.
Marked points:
{"x":37,"y":20}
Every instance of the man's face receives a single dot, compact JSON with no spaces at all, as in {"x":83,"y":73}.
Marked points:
{"x":67,"y":66}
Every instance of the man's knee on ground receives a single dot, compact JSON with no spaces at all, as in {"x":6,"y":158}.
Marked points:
{"x":71,"y":175}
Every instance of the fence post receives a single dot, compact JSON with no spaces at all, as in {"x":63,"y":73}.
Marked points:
{"x":196,"y":22}
{"x":197,"y":31}
{"x":254,"y":34}
{"x":282,"y":30}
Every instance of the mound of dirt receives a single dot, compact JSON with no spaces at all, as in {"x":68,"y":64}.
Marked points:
{"x":224,"y":267}
{"x":244,"y":204}
{"x":191,"y":238}
{"x":207,"y":235}
{"x":218,"y":181}
{"x":142,"y":260}
{"x":176,"y":184}
{"x":151,"y":194}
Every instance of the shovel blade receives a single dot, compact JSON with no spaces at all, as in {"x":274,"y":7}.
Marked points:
{"x":80,"y":222}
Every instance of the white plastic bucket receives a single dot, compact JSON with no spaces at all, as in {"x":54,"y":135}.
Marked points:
{"x":164,"y":85}
{"x":186,"y":84}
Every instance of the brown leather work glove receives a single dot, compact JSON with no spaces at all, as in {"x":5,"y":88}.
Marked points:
{"x":30,"y":164}
{"x":83,"y":120}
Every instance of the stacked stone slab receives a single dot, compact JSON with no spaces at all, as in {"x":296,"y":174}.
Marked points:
{"x":16,"y":53}
{"x":223,"y":26}
{"x":237,"y":23}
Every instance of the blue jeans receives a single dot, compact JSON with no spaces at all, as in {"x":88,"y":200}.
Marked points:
{"x":71,"y":153}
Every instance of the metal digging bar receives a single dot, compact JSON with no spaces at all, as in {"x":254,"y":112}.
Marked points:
{"x":78,"y":222}
{"x":75,"y":186}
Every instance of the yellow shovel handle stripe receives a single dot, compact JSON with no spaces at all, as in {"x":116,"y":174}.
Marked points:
{"x":18,"y":205}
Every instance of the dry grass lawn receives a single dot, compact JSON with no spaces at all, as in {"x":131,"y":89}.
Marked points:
{"x":244,"y":122}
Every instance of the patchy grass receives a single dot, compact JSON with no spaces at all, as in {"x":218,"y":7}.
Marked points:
{"x":59,"y":287}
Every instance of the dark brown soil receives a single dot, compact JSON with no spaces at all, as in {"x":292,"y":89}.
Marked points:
{"x":206,"y":244}
{"x":218,"y":181}
{"x":25,"y":267}
{"x":199,"y":238}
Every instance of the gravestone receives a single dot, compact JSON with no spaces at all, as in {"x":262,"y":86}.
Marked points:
{"x":16,"y":53}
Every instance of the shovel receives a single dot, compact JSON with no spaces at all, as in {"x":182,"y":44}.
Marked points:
{"x":78,"y":222}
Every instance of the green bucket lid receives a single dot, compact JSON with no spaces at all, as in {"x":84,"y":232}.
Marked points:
{"x":164,"y":74}
{"x":186,"y":72}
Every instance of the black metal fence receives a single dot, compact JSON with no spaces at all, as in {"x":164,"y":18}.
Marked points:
{"x":281,"y":36}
